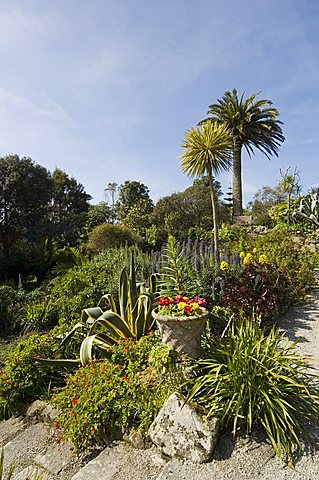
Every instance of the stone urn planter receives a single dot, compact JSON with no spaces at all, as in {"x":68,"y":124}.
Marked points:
{"x":182,"y":333}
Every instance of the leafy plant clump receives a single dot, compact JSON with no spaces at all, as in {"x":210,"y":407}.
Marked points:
{"x":259,"y":290}
{"x":23,"y":380}
{"x":127,"y":389}
{"x":249,"y":378}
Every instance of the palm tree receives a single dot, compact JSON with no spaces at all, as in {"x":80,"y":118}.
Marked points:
{"x":207,"y":151}
{"x":252,"y":124}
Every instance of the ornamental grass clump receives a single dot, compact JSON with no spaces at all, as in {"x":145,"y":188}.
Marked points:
{"x":250,"y":378}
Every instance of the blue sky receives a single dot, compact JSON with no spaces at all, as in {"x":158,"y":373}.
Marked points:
{"x":106,"y":90}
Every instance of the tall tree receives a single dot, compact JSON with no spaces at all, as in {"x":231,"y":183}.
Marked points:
{"x":111,"y":194}
{"x":69,"y":208}
{"x":191,"y":210}
{"x":207,"y":151}
{"x":25,"y":195}
{"x":130,"y":194}
{"x":253,"y":124}
{"x":290,"y":184}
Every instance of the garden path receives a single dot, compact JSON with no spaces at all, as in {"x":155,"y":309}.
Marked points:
{"x":301,"y":324}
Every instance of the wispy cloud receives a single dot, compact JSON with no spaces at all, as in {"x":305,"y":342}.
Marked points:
{"x":49,"y":109}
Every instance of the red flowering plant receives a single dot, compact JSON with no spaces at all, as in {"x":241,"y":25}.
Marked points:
{"x":180,"y":306}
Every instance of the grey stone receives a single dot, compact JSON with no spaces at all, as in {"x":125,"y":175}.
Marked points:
{"x":138,"y":439}
{"x":49,"y":414}
{"x":41,"y":411}
{"x":119,"y":462}
{"x":22,"y":450}
{"x":10,"y":429}
{"x":55,"y":458}
{"x":180,"y":431}
{"x":35,"y":410}
{"x":31,"y":472}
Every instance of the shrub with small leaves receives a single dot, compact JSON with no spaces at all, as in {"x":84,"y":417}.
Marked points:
{"x":127,"y":389}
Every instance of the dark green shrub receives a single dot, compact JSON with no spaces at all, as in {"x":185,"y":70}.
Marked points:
{"x":12,"y":309}
{"x":125,"y":390}
{"x":250,"y":378}
{"x":23,"y":379}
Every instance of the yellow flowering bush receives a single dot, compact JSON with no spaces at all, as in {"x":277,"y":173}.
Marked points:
{"x":224,"y":266}
{"x":263,"y":259}
{"x":248,"y":259}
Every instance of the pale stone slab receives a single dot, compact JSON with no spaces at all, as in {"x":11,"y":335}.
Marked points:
{"x":55,"y":458}
{"x":10,"y":429}
{"x":120,"y":462}
{"x":31,"y":472}
{"x":180,"y":431}
{"x":22,"y":450}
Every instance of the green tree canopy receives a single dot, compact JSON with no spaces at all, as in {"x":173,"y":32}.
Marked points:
{"x":130,"y":194}
{"x":253,"y":124}
{"x":25,"y":194}
{"x":207,"y":152}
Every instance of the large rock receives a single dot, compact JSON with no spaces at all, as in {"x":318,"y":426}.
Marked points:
{"x":180,"y":431}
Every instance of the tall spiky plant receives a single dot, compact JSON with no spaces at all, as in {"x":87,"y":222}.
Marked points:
{"x":252,"y":124}
{"x":207,"y":151}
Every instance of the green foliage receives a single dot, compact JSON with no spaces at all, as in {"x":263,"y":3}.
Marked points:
{"x":171,"y":278}
{"x":234,"y":237}
{"x":11,"y":309}
{"x":279,"y":213}
{"x":98,"y":214}
{"x":85,"y":284}
{"x":102,"y":329}
{"x":138,"y":218}
{"x":107,"y":236}
{"x":131,"y":193}
{"x":188,"y":212}
{"x":250,"y":378}
{"x":40,"y":315}
{"x":23,"y":380}
{"x":125,"y":390}
{"x":283,"y":251}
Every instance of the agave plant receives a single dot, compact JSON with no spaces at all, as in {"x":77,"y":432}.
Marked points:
{"x":101,"y":329}
{"x":309,"y":208}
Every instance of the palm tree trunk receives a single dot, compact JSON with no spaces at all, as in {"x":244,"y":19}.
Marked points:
{"x":213,"y":197}
{"x":237,"y":181}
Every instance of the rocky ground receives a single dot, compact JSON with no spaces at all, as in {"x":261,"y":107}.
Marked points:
{"x":31,"y":444}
